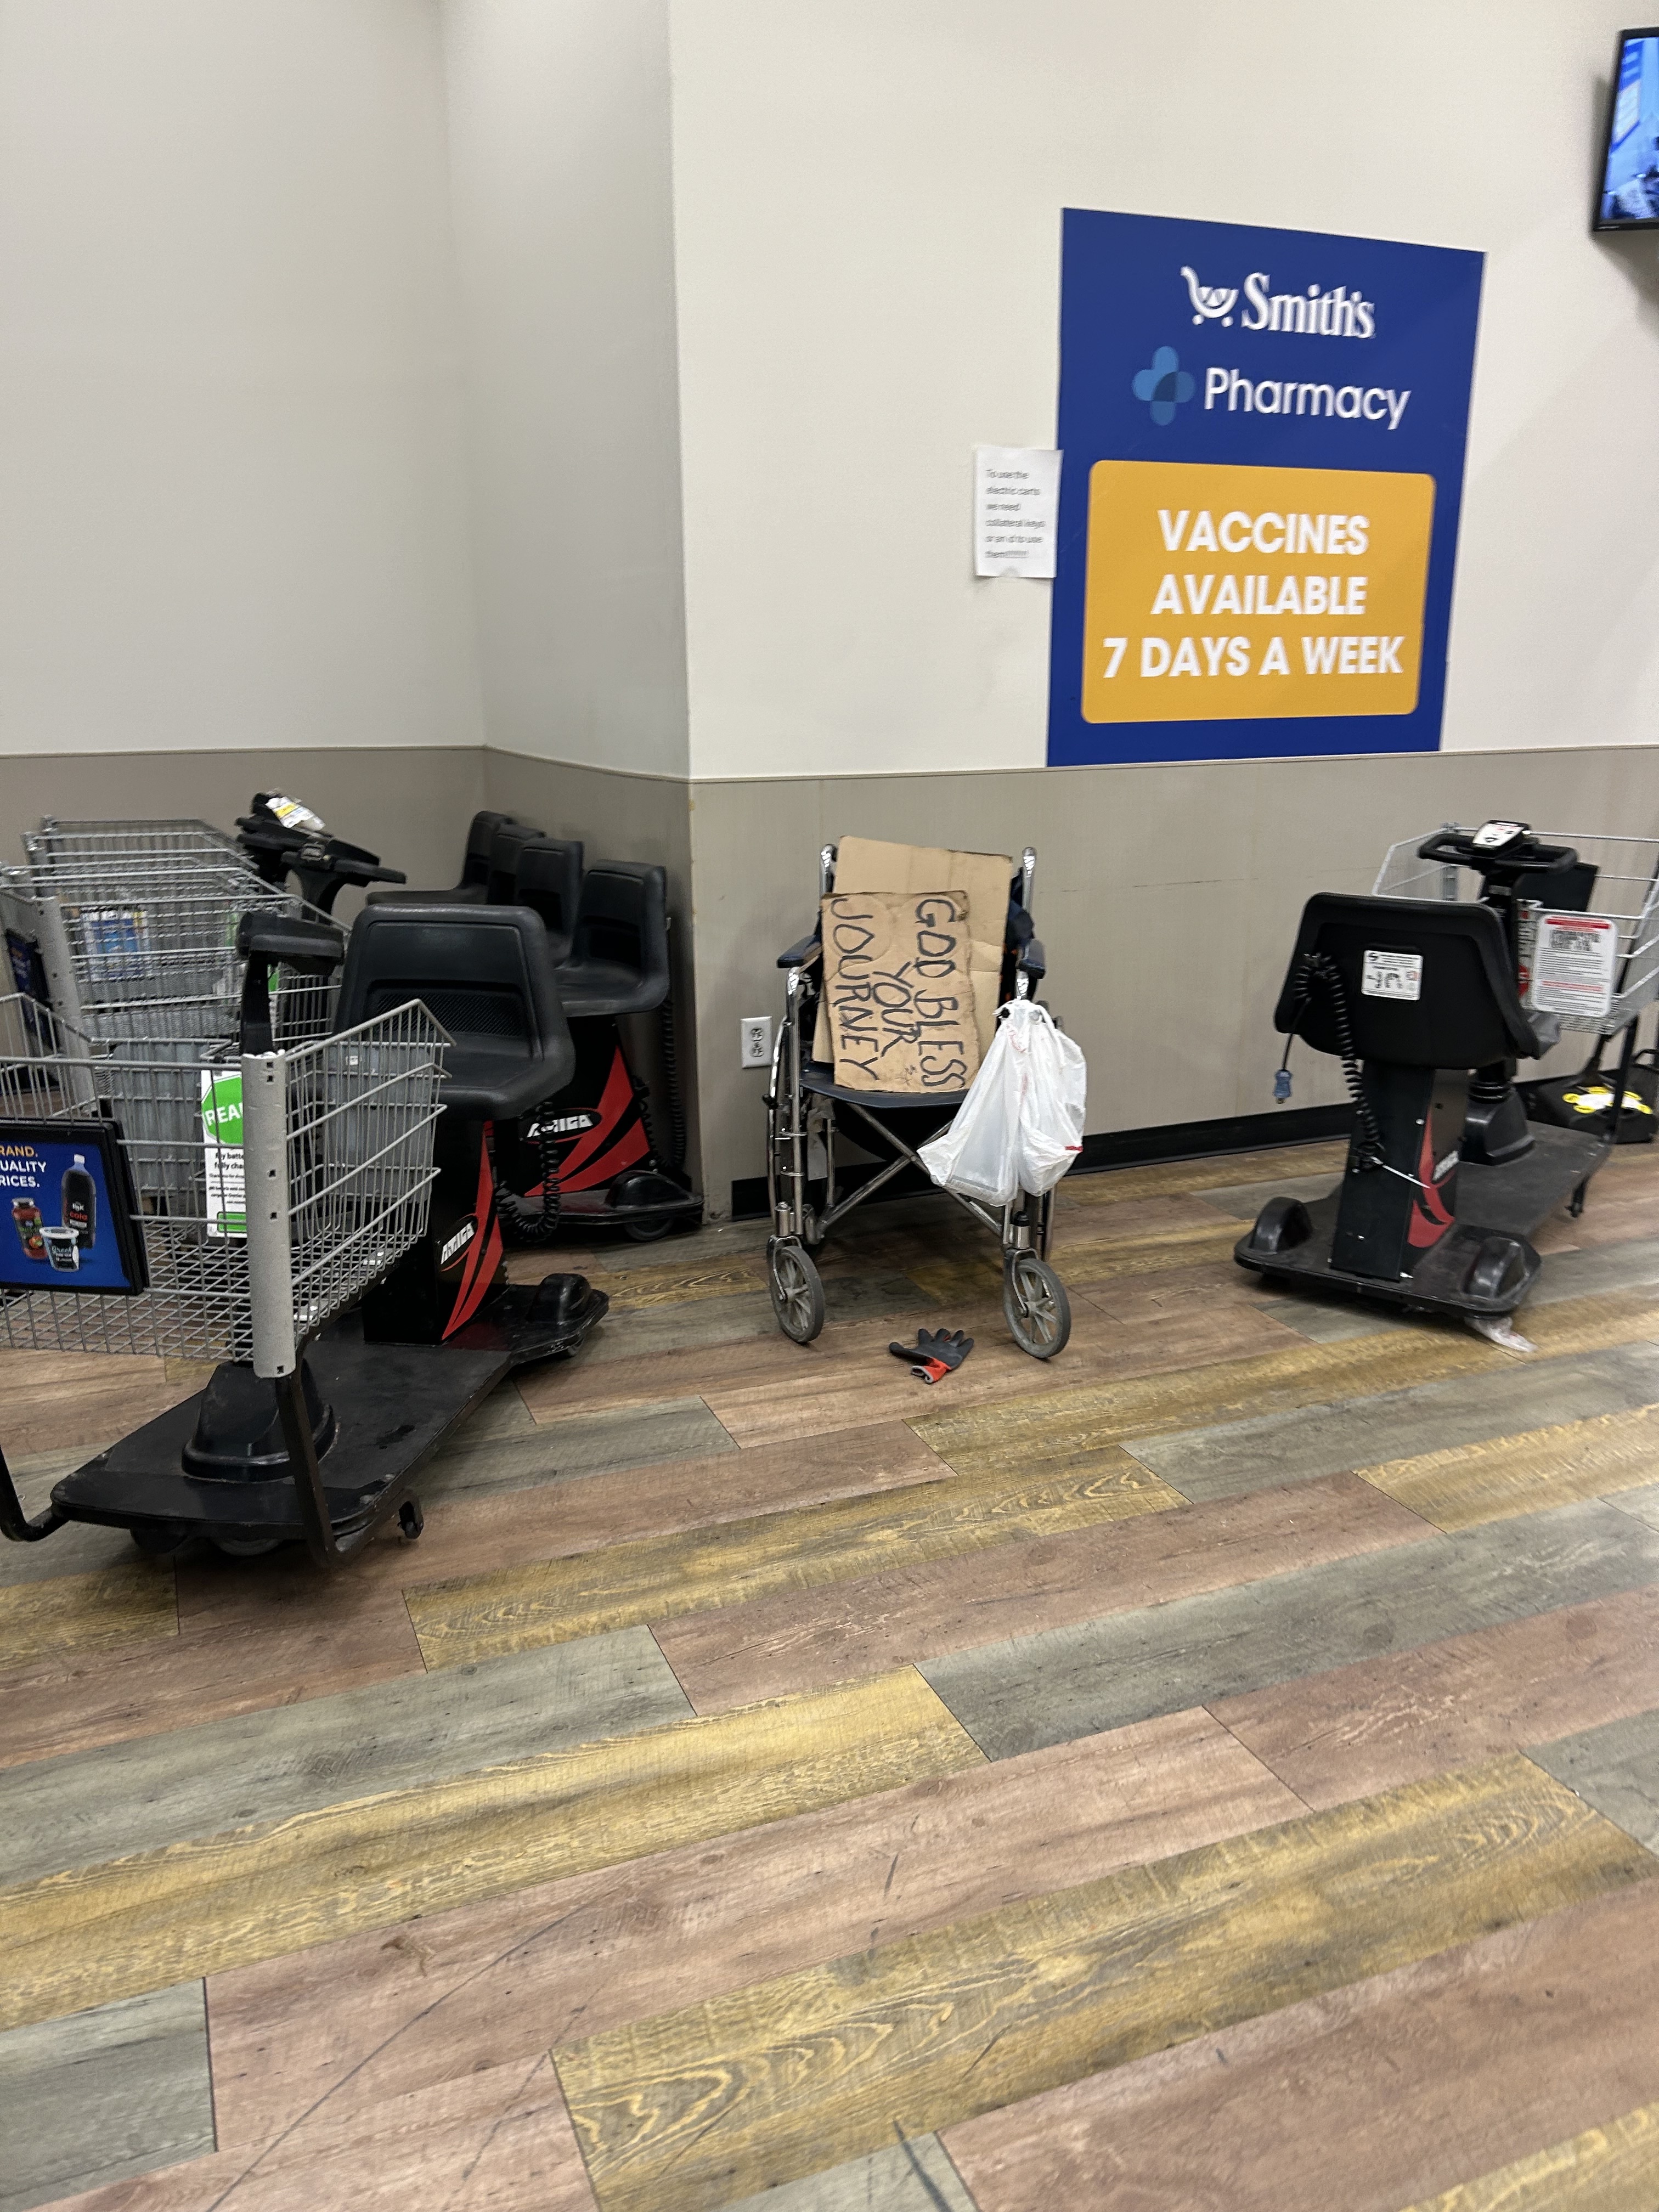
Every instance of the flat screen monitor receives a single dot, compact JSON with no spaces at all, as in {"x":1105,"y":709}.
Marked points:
{"x":1628,"y":199}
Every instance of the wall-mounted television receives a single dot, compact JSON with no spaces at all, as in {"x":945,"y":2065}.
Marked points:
{"x":1628,"y":197}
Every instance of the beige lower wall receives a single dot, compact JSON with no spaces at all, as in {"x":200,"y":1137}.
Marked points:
{"x":410,"y":804}
{"x":1167,"y":898}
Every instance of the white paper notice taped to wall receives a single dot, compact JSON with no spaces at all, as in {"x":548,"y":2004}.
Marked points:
{"x":1573,"y":964}
{"x":1016,"y":510}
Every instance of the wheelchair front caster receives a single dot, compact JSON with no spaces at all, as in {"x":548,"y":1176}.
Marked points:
{"x":410,"y":1519}
{"x":1035,"y":1305}
{"x":797,"y":1290}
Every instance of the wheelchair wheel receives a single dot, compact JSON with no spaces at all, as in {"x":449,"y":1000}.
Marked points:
{"x":1035,"y":1305}
{"x":797,"y":1290}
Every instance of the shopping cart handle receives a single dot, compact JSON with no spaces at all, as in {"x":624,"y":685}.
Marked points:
{"x":310,"y":948}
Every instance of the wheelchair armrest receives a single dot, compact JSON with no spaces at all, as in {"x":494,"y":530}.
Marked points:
{"x":802,"y":955}
{"x":1033,"y":960}
{"x":310,"y":948}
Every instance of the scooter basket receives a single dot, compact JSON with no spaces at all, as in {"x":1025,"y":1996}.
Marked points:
{"x":333,"y":1141}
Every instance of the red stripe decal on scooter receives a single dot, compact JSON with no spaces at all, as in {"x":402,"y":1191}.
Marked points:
{"x":629,"y":1148}
{"x":1431,"y":1217}
{"x":485,"y":1255}
{"x":613,"y":1103}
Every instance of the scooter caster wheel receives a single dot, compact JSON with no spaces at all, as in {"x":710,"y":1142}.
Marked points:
{"x":797,"y":1290}
{"x":1281,"y":1225}
{"x":244,"y":1547}
{"x":1497,"y":1267}
{"x":156,"y":1539}
{"x":647,"y":1232}
{"x":410,"y":1519}
{"x":1035,"y":1305}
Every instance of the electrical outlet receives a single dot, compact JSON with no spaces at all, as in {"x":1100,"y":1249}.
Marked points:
{"x":756,"y":1033}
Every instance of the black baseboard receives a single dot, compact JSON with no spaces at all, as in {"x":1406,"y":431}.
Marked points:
{"x":1118,"y":1148}
{"x":1196,"y":1140}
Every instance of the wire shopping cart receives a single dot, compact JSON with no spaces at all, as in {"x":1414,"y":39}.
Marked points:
{"x":1618,"y":881}
{"x":77,"y":846}
{"x":131,"y":941}
{"x":150,"y":1158}
{"x":1584,"y":932}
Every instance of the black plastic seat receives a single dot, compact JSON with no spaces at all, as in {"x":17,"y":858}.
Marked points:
{"x":1467,"y":1012}
{"x":618,"y":961}
{"x":486,"y":975}
{"x":473,"y":889}
{"x":504,"y":848}
{"x":549,"y":883}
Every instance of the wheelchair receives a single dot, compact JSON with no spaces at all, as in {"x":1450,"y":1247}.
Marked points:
{"x":806,"y":1108}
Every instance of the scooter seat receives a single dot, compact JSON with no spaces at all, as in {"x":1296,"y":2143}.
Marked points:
{"x":592,"y":987}
{"x":485,"y":973}
{"x":458,"y":895}
{"x":619,"y":963}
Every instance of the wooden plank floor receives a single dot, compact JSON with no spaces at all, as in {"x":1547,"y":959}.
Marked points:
{"x":1218,"y":1769}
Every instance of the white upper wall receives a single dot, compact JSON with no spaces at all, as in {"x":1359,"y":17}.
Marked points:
{"x":231,"y":505}
{"x":867,"y":200}
{"x":559,"y":136}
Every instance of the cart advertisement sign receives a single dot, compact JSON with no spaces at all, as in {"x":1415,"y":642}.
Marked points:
{"x":71,"y":1210}
{"x":221,"y":1145}
{"x":1263,"y":435}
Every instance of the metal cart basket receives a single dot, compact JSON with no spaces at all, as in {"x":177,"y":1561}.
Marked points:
{"x":248,"y":1251}
{"x":1626,"y":891}
{"x":76,"y":848}
{"x":139,"y":947}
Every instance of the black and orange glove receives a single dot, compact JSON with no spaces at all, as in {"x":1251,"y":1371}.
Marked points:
{"x":935,"y":1353}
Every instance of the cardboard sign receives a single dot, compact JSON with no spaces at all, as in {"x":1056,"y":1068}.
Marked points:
{"x":872,"y":864}
{"x":898,"y":991}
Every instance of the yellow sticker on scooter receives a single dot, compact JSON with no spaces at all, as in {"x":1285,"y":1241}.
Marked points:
{"x":1598,"y":1100}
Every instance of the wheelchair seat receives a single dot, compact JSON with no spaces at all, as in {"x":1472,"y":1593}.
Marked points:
{"x":474,"y":887}
{"x":818,"y":1076}
{"x":550,"y":883}
{"x":618,"y":961}
{"x":485,"y":973}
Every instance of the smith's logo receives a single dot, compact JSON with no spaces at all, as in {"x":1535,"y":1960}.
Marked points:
{"x":457,"y":1242}
{"x":1210,"y":304}
{"x":1338,"y":314}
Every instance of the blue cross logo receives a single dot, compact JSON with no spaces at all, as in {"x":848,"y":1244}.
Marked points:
{"x":1164,"y":384}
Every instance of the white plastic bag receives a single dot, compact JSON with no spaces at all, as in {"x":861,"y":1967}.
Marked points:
{"x":1021,"y":1125}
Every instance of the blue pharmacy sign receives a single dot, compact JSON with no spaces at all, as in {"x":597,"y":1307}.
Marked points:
{"x":1263,"y":434}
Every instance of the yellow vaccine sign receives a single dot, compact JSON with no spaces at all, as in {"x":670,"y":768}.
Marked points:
{"x":1229,"y":593}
